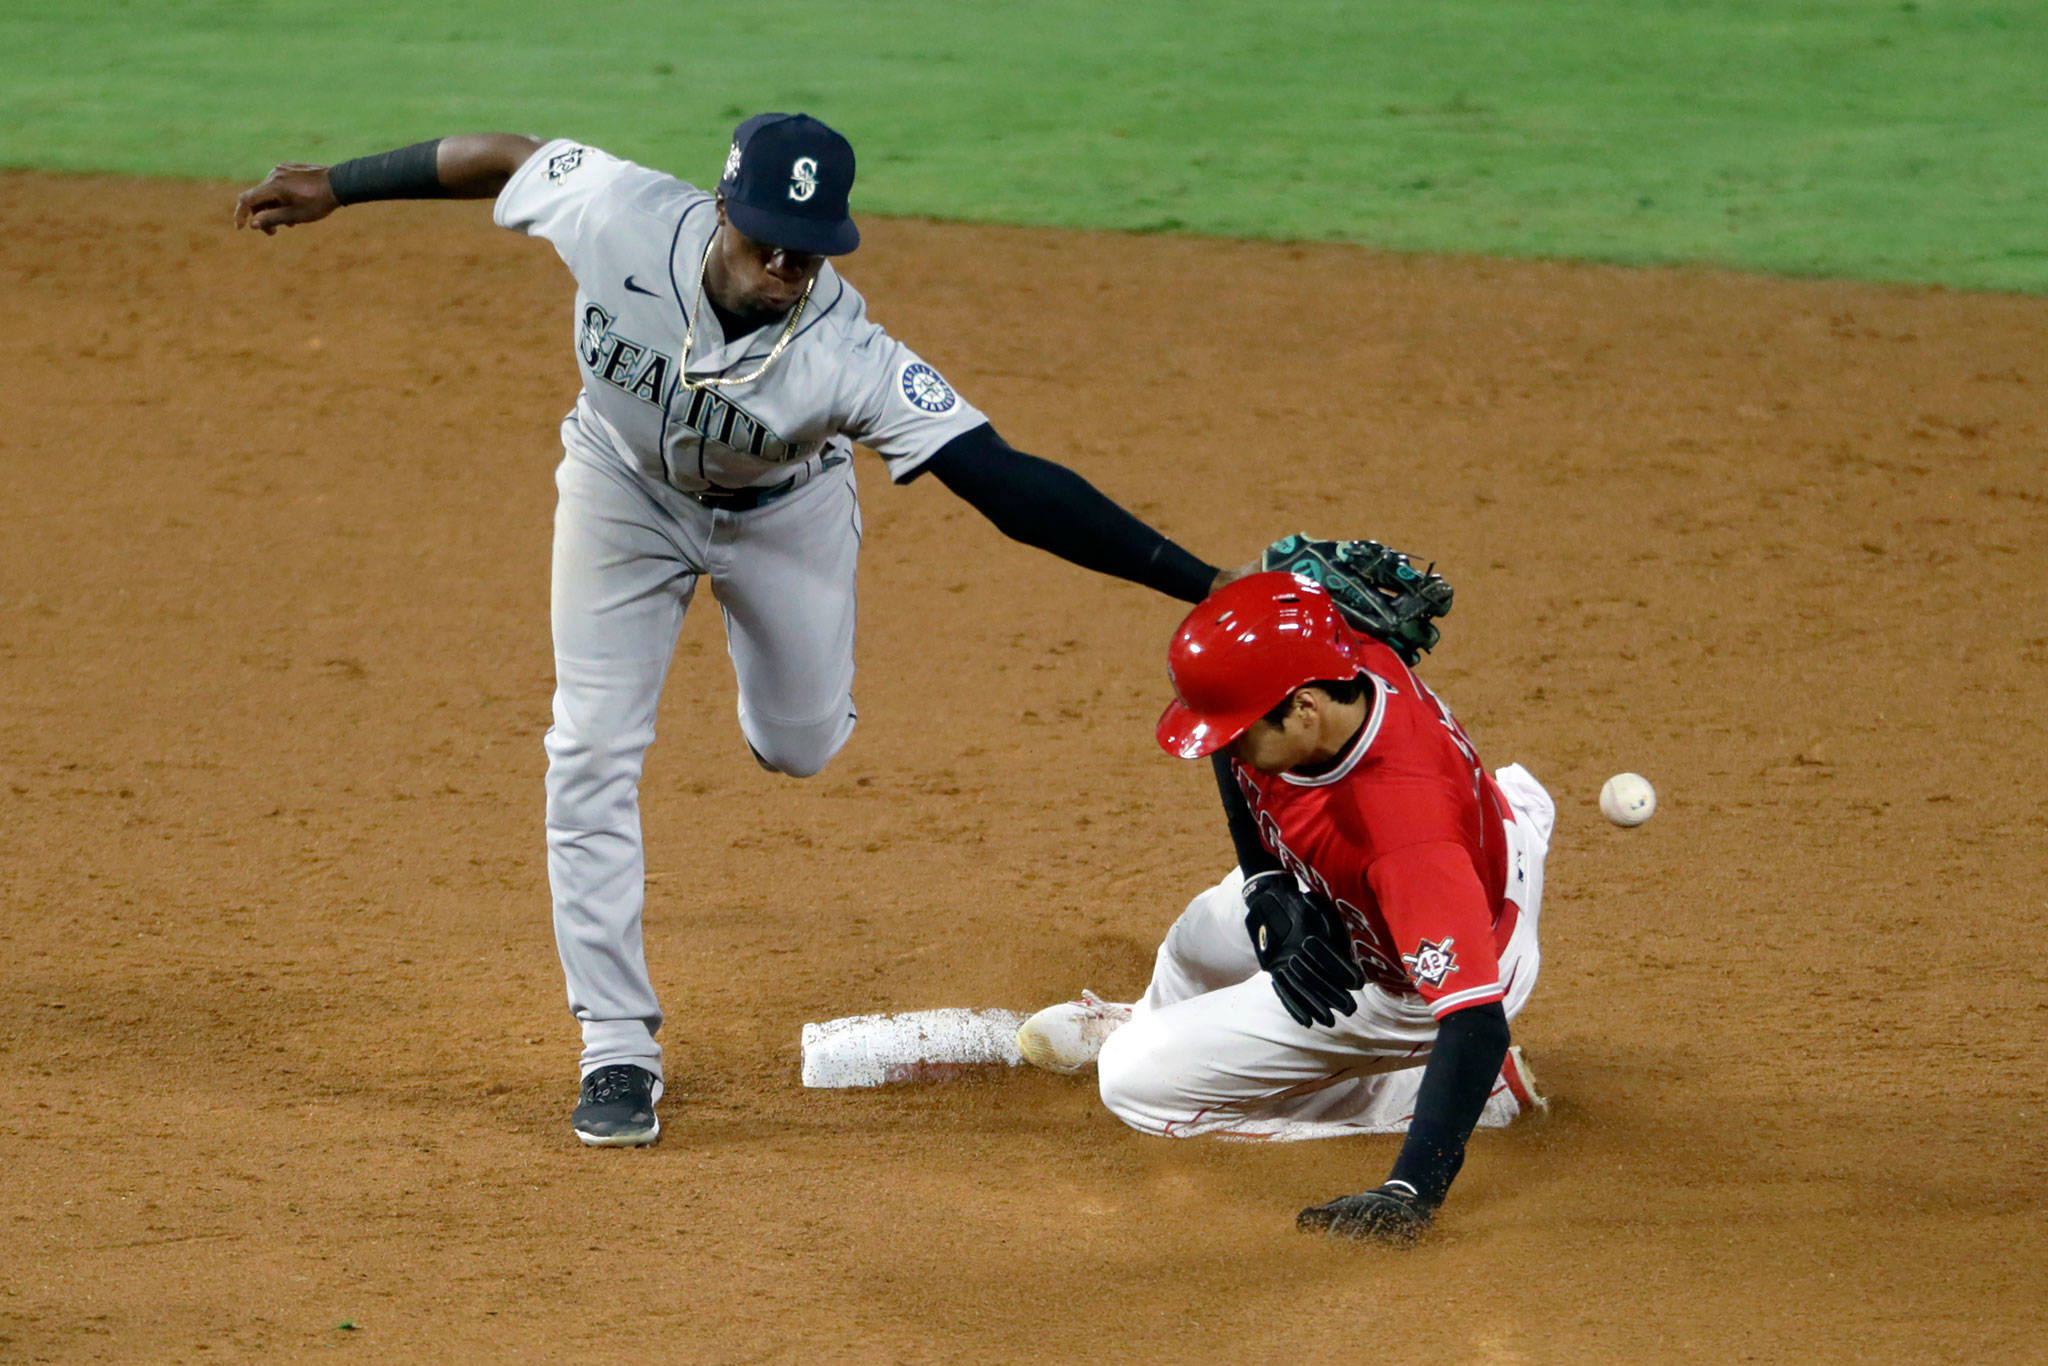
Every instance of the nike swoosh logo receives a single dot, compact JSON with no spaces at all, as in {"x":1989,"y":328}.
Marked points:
{"x":638,"y":289}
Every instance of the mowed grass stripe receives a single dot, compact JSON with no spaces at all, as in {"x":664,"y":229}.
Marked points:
{"x":1896,"y":141}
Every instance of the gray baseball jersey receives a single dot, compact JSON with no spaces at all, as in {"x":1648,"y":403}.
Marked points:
{"x":634,"y":239}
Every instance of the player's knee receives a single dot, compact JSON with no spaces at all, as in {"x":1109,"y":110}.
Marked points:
{"x":1192,"y":940}
{"x":797,"y":751}
{"x":1132,"y":1073}
{"x":582,"y":759}
{"x":592,"y":779}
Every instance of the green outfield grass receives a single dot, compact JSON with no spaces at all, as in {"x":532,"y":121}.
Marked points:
{"x":1896,"y":141}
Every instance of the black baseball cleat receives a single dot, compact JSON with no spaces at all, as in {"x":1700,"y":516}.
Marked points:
{"x":616,"y":1109}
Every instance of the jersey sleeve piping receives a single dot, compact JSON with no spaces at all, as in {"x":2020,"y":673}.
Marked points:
{"x":1470,"y":996}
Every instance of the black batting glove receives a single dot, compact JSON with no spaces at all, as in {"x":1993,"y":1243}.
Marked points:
{"x":1392,"y":1214}
{"x":1301,"y":942}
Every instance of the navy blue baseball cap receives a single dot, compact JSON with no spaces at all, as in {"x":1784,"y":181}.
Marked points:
{"x":786,"y":181}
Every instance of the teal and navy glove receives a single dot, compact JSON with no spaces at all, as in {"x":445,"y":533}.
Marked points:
{"x":1375,"y":588}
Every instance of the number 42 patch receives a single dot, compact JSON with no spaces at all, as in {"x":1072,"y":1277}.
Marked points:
{"x":1431,"y":962}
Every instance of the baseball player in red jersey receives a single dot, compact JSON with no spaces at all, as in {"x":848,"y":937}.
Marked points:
{"x":1357,"y":972}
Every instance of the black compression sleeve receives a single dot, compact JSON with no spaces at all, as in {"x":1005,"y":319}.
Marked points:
{"x":1470,"y":1046}
{"x":1051,"y":507}
{"x":1253,"y":857}
{"x":408,"y":173}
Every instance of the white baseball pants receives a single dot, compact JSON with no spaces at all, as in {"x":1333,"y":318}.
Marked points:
{"x":1210,"y":1049}
{"x":628,"y":553}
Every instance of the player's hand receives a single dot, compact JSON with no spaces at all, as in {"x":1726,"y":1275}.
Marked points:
{"x":1302,"y":943}
{"x":291,"y":194}
{"x":1224,"y":576}
{"x":1390,"y":1214}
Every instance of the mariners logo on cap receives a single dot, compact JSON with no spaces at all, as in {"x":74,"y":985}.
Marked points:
{"x":925,"y":390}
{"x":803,"y":179}
{"x":786,"y":182}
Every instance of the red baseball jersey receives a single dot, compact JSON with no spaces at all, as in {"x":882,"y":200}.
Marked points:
{"x":1404,"y":834}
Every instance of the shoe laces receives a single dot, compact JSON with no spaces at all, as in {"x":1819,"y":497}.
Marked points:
{"x":1107,"y":1010}
{"x":609,"y":1085}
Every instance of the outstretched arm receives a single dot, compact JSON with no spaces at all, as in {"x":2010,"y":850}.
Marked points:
{"x":467,"y":166}
{"x":1470,"y":1046}
{"x":1051,"y":507}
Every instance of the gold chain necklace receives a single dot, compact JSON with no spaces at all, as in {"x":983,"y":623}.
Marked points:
{"x":690,"y":332}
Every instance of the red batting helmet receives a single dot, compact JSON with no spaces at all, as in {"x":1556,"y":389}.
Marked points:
{"x":1245,"y":648}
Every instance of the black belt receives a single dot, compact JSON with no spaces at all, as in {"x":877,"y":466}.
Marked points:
{"x":746,"y":500}
{"x":740,"y":500}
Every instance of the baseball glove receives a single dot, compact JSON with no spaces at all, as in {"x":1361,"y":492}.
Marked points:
{"x":1375,"y":588}
{"x":1390,"y":1214}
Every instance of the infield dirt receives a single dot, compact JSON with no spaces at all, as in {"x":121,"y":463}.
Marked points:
{"x":280,"y":1019}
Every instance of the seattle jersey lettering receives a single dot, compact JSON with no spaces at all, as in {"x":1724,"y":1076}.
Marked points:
{"x":644,"y":372}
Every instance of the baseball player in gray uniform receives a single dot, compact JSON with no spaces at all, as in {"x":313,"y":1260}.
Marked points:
{"x":727,"y":371}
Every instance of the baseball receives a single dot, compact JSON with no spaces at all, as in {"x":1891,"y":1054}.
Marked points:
{"x":1628,"y":799}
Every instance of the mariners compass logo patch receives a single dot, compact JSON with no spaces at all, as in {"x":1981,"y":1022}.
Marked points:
{"x":926,"y":390}
{"x":1431,"y":962}
{"x":561,"y":163}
